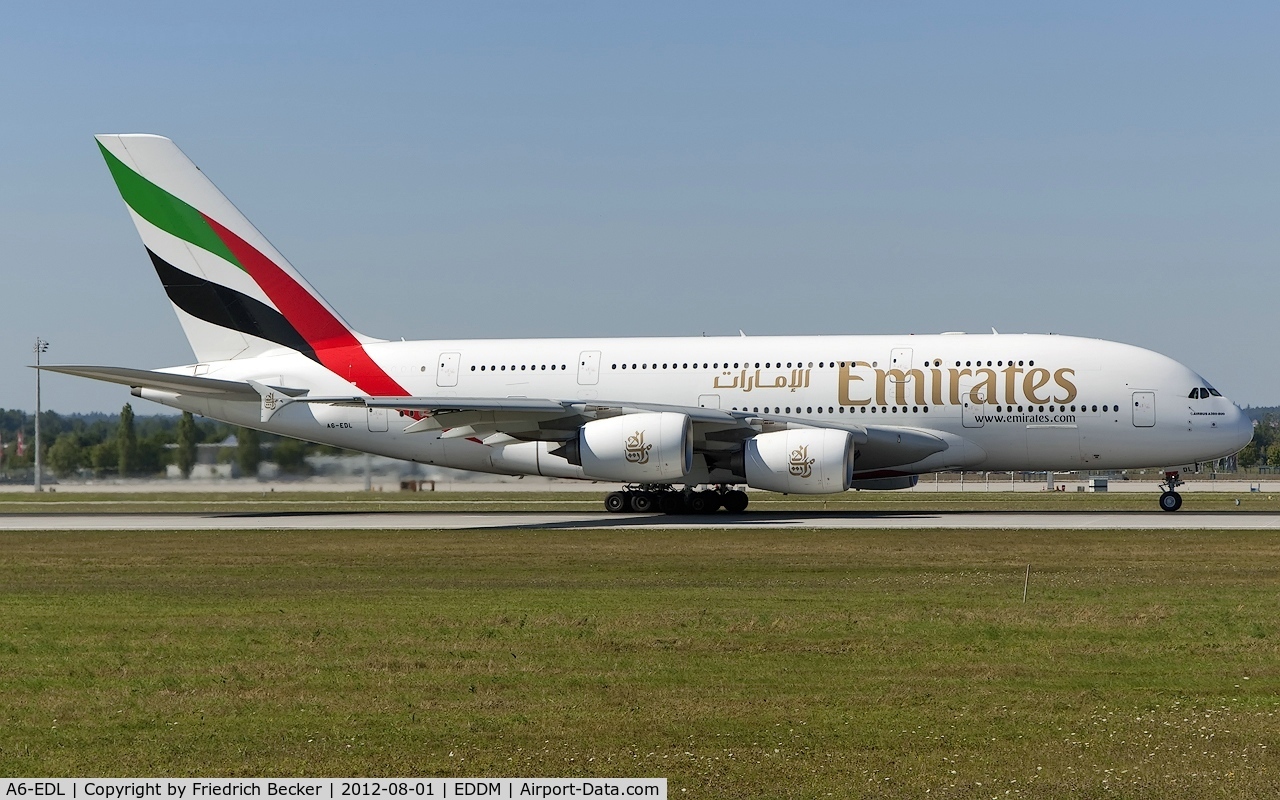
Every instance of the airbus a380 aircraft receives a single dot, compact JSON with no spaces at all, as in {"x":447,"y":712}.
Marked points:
{"x":796,"y":414}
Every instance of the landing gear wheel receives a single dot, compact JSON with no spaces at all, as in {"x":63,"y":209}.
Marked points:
{"x":641,"y":502}
{"x":703,"y":502}
{"x":615,"y":502}
{"x":1170,"y":500}
{"x":735,"y":502}
{"x":671,"y":503}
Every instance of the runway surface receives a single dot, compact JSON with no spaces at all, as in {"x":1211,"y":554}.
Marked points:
{"x":957,"y":520}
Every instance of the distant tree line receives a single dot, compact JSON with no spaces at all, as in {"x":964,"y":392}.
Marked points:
{"x":128,"y":445}
{"x":1265,"y":447}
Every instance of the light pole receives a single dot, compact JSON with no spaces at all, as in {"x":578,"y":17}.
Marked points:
{"x":41,"y":346}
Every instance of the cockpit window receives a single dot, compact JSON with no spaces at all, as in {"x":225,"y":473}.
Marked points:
{"x":1214,"y":392}
{"x":1195,"y":393}
{"x":1203,"y":392}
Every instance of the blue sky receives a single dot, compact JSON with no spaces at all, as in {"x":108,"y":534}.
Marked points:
{"x":584,"y":169}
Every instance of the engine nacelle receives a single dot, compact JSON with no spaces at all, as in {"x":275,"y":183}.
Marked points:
{"x":636,"y":448}
{"x":805,"y":461}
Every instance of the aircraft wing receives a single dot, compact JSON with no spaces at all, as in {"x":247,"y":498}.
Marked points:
{"x":715,"y":431}
{"x":505,"y":419}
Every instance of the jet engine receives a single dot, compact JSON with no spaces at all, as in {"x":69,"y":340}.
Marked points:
{"x":803,"y":461}
{"x":635,"y":448}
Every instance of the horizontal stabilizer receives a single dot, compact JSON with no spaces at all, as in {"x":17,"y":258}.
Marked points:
{"x":165,"y":381}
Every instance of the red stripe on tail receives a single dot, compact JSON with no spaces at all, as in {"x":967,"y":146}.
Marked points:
{"x":335,"y":345}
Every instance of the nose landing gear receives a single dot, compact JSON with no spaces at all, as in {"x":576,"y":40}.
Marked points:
{"x":1170,"y":500}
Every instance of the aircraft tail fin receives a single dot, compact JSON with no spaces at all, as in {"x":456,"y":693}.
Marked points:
{"x":235,"y":295}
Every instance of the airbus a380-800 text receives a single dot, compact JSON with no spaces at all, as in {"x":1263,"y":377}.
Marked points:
{"x":682,"y":422}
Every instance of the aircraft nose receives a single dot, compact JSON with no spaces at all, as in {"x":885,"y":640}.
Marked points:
{"x":1241,"y":427}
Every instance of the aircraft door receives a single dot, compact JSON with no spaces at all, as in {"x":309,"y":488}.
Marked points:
{"x":708,"y":401}
{"x":971,"y":413}
{"x":447,"y":371}
{"x":900,"y":358}
{"x":377,"y":418}
{"x":588,"y":367}
{"x":1144,"y":409}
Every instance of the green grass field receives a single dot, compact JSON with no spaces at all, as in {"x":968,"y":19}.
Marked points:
{"x":736,"y":664}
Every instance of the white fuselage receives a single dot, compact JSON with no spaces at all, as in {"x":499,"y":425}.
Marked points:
{"x":1003,"y":402}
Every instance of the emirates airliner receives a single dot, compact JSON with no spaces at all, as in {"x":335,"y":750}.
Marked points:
{"x":682,"y":422}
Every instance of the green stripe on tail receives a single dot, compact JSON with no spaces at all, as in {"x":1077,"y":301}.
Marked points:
{"x":165,"y":211}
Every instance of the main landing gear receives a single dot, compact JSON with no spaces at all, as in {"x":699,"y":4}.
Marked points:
{"x":1170,"y":500}
{"x":667,"y":500}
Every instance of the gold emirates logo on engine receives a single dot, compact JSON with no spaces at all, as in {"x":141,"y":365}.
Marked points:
{"x":801,"y":465}
{"x":636,"y":450}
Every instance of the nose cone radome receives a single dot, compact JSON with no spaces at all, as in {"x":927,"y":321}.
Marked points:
{"x":1241,"y":427}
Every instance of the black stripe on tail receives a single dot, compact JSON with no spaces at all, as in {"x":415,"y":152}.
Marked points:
{"x":228,"y":308}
